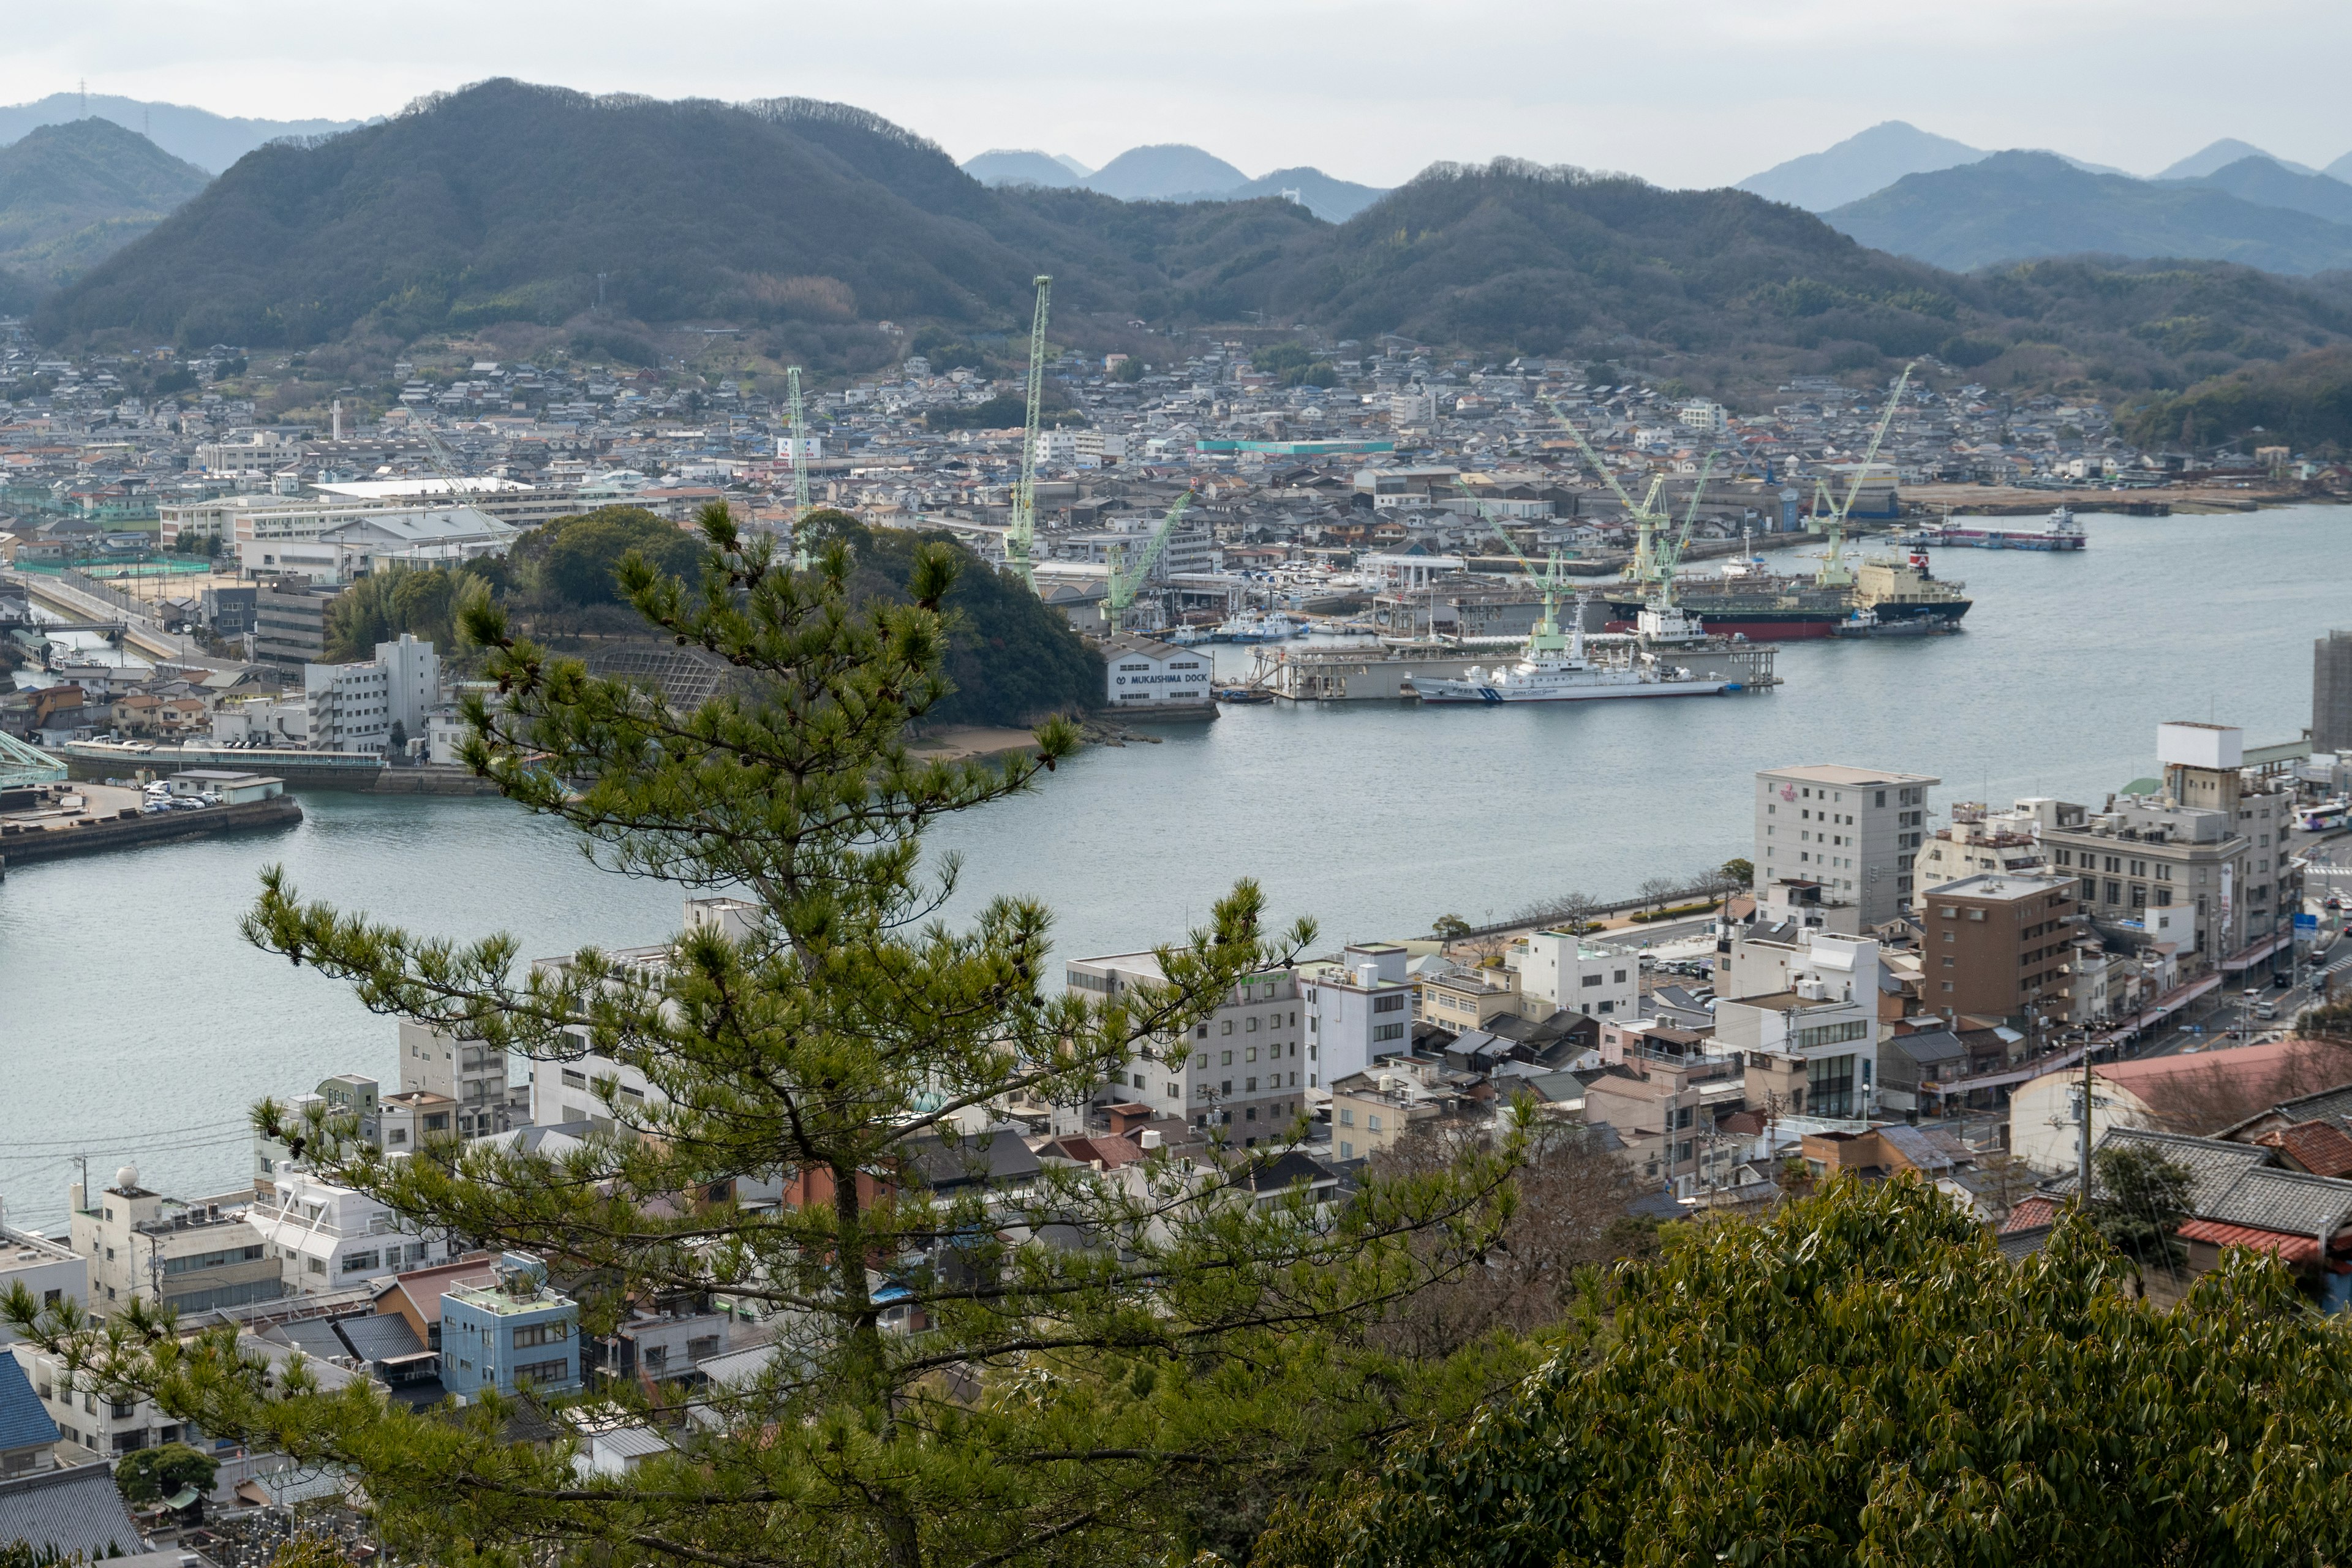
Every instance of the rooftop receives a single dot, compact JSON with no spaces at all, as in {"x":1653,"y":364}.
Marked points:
{"x":1836,"y":773}
{"x":2000,"y":887}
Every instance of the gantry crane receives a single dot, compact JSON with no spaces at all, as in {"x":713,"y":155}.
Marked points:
{"x":1834,"y":571}
{"x":1546,"y":638}
{"x":1670,"y":559}
{"x":1646,"y":518}
{"x":1020,"y":542}
{"x":1125,"y":583}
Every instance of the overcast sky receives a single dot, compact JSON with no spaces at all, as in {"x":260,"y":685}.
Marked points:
{"x":1689,"y":93}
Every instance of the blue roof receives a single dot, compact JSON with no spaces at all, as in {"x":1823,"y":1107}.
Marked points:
{"x":23,"y":1422}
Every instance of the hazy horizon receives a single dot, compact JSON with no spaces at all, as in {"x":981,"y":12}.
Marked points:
{"x":1369,"y":90}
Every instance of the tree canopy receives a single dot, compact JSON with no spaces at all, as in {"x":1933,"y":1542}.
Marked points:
{"x":1863,"y":1378}
{"x":578,"y":558}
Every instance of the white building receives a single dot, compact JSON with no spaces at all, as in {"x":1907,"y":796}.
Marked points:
{"x":1359,"y":1009}
{"x":349,"y":546}
{"x":1820,"y":1010}
{"x":1855,"y":831}
{"x":49,"y":1271}
{"x":472,"y":1077}
{"x":1556,"y":968}
{"x":1245,"y":1071}
{"x":411,"y":681}
{"x":1699,"y":414}
{"x":327,"y":1237}
{"x":190,"y":1255}
{"x":1148,"y":677}
{"x":352,"y":706}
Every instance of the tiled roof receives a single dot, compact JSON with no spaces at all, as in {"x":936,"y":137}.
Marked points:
{"x":2320,"y":1147}
{"x":2290,"y":1249}
{"x":73,"y":1509}
{"x":2236,"y":1183}
{"x":23,"y":1422}
{"x":2031,"y":1214}
{"x":1918,"y":1148}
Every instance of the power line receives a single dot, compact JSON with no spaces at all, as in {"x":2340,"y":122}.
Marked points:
{"x":163,"y":1132}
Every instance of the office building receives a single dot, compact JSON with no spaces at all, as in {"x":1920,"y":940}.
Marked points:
{"x":1855,"y":831}
{"x":1245,"y":1071}
{"x":2000,"y":946}
{"x":2331,"y":692}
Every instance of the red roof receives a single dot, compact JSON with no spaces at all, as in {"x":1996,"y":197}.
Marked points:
{"x":2029,"y":1212}
{"x":2320,"y":1147}
{"x":2290,"y":1249}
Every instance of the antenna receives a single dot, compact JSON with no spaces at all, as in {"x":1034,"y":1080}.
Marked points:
{"x":82,"y":87}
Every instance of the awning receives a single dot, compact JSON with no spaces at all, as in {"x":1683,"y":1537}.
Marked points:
{"x":2257,"y":954}
{"x":2290,"y":1249}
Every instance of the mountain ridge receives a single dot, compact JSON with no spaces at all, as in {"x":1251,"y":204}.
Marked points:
{"x":211,"y":141}
{"x":72,"y":194}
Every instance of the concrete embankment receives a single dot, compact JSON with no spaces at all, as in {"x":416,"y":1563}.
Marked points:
{"x":87,"y":835}
{"x":428,"y":780}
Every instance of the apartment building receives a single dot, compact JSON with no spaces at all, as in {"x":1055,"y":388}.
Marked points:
{"x":50,"y":1271}
{"x":513,"y":1331}
{"x":2000,"y":946}
{"x":472,"y":1077}
{"x":289,"y":621}
{"x":1980,"y":843}
{"x":1855,"y":831}
{"x":1246,"y":1070}
{"x":191,"y":1256}
{"x":1558,"y":971}
{"x":1821,"y":1019}
{"x":1359,"y":1009}
{"x":321,"y":1237}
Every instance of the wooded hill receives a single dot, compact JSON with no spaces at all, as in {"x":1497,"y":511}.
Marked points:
{"x":72,"y":194}
{"x":807,"y":223}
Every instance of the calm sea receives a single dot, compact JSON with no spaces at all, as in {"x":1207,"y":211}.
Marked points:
{"x":136,"y":1026}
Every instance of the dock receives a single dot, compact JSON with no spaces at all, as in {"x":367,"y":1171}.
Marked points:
{"x":69,"y":819}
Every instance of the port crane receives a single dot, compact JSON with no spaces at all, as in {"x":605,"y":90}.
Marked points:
{"x":800,"y":469}
{"x":1549,"y":582}
{"x":1646,"y":518}
{"x":1021,"y":540}
{"x":1670,"y":559}
{"x":1834,"y":571}
{"x":1125,"y":583}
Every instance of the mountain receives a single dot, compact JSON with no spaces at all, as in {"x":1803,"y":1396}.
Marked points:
{"x":2267,"y":182}
{"x":2341,"y":169}
{"x":2015,"y":205}
{"x":504,"y":202}
{"x":804,"y":224}
{"x":1332,"y":200}
{"x":1870,"y":160}
{"x":2305,"y":403}
{"x":211,"y":141}
{"x":2220,"y":156}
{"x":72,"y":194}
{"x":1072,"y":165}
{"x":1163,"y":172}
{"x":1002,"y":166}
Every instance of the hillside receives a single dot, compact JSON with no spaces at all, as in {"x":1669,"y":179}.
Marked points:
{"x":2268,"y":183}
{"x":807,"y":224}
{"x":1854,"y":168}
{"x":71,"y":195}
{"x":2016,"y":205}
{"x":211,"y":141}
{"x":2305,"y":403}
{"x":504,"y":202}
{"x":1330,"y":199}
{"x":2228,"y":150}
{"x":1162,"y":172}
{"x":1018,"y":166}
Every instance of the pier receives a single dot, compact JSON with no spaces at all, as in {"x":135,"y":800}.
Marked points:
{"x":1378,"y":674}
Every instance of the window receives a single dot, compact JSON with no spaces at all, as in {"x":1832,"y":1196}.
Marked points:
{"x":1388,"y":1004}
{"x":2115,"y":889}
{"x":1347,"y":1150}
{"x":1251,"y":1027}
{"x":315,"y":1265}
{"x":1250,"y":1054}
{"x":1228,"y":1027}
{"x":1226,"y":1058}
{"x":1388,"y":1032}
{"x":530,"y":1334}
{"x":1829,"y":1086}
{"x":1347,"y":1116}
{"x":1590,"y":980}
{"x":544,"y":1372}
{"x":1249,"y":1086}
{"x":1373,"y":1122}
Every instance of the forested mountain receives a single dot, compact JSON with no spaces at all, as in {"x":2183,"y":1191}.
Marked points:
{"x":2016,"y":205}
{"x":808,"y":222}
{"x":2268,"y":183}
{"x":2305,"y":403}
{"x":72,"y":194}
{"x":211,"y":141}
{"x":2219,"y":155}
{"x":1162,"y":172}
{"x":1019,"y":167}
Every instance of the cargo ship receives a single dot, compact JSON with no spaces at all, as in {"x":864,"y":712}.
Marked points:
{"x":1767,"y":608}
{"x":2062,"y":534}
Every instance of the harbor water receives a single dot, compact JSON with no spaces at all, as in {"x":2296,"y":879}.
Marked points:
{"x":136,"y":1026}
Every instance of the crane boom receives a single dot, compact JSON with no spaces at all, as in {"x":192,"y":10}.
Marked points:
{"x":800,"y":451}
{"x":1123,"y":583}
{"x":1669,"y":560}
{"x":1021,"y":542}
{"x":1834,"y":571}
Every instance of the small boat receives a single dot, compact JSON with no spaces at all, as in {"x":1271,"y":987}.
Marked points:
{"x":1866,"y":623}
{"x":1556,"y":670}
{"x":1240,"y":694}
{"x":1187,"y":637}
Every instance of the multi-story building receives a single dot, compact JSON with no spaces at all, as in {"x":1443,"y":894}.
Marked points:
{"x":1372,"y":1109}
{"x":289,"y":621}
{"x":2210,"y":846}
{"x":1978,"y":843}
{"x":2331,"y":693}
{"x":349,"y":707}
{"x":515,"y":1330}
{"x":2000,"y":946}
{"x":1557,"y":970}
{"x":473,"y":1077}
{"x":1359,"y":1009}
{"x":49,"y":1271}
{"x":1245,"y":1071}
{"x":1824,"y":1016}
{"x":191,"y":1256}
{"x":1855,"y":831}
{"x":323,"y":1236}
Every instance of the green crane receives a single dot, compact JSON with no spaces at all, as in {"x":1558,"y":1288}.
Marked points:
{"x":1834,"y":571}
{"x":1646,"y":517}
{"x":800,"y":471}
{"x":1021,"y":542}
{"x":1670,"y":559}
{"x":1546,"y":638}
{"x":1125,"y":583}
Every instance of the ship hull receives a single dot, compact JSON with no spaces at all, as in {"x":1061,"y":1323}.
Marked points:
{"x":2002,"y":539}
{"x":1756,"y":625}
{"x":1945,"y":614}
{"x":1464,"y":692}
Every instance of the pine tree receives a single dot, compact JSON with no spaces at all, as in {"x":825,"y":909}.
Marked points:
{"x":1122,"y":1362}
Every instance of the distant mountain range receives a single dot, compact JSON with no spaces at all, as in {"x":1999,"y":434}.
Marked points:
{"x":211,"y":141}
{"x":2015,"y":206}
{"x":494,"y":212}
{"x":1870,"y":160}
{"x":1174,"y":172}
{"x":72,"y":194}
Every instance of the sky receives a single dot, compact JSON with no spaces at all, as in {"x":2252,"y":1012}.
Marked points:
{"x":1698,"y":92}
